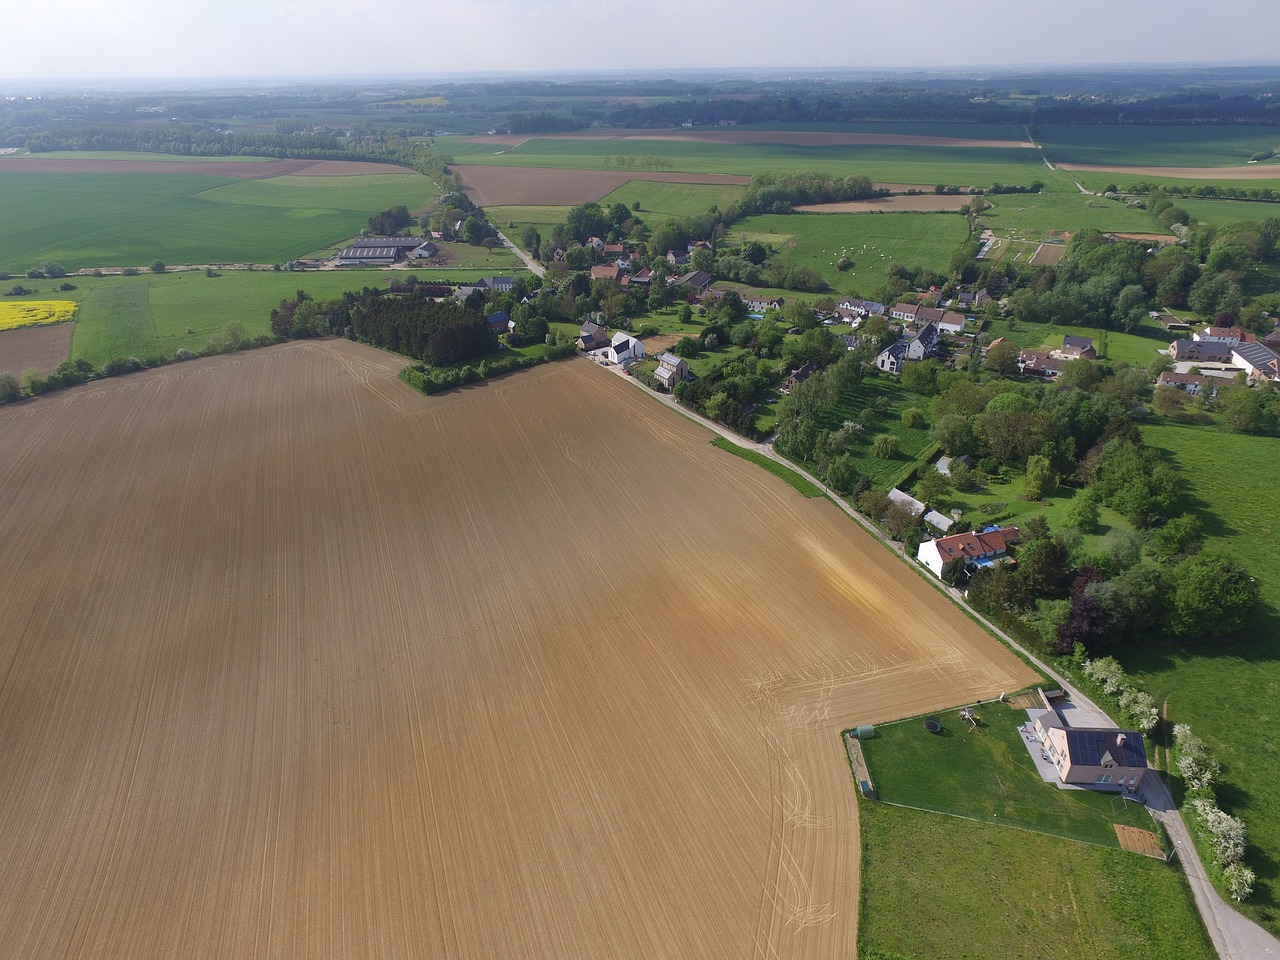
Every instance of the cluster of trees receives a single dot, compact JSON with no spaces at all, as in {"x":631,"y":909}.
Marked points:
{"x":729,"y":392}
{"x":390,"y":222}
{"x":440,"y":333}
{"x":779,"y":193}
{"x":431,"y":379}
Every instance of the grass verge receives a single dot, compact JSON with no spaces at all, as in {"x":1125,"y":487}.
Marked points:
{"x":802,"y":486}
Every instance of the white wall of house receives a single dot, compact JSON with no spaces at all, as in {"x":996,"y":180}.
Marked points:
{"x":928,"y":555}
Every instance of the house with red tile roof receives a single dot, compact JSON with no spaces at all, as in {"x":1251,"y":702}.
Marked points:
{"x":975,"y":548}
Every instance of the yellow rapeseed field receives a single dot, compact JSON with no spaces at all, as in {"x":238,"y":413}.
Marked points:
{"x":30,"y":313}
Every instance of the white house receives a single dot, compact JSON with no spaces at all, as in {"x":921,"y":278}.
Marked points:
{"x":922,"y":345}
{"x":974,"y":548}
{"x":624,"y":349}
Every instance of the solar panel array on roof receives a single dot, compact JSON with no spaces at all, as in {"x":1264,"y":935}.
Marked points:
{"x":1087,"y":747}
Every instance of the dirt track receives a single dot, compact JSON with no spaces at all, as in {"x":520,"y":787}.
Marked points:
{"x":799,"y":138}
{"x":298,"y":662}
{"x":491,"y":186}
{"x":1256,"y":171}
{"x":237,"y":170}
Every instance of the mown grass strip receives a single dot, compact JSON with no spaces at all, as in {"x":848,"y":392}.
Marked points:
{"x":802,"y":486}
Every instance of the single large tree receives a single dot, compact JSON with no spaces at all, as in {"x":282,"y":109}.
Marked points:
{"x":1210,"y":596}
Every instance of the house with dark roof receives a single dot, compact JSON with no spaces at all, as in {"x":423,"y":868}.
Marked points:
{"x":975,"y":548}
{"x":1200,"y":351}
{"x":1257,"y":360}
{"x":677,"y":259}
{"x":499,"y":284}
{"x":945,"y":464}
{"x":796,"y":378}
{"x":499,"y":322}
{"x":697,"y":281}
{"x":624,"y":349}
{"x":1092,"y":756}
{"x":918,"y":347}
{"x":1076,"y":348}
{"x":377,"y":251}
{"x":591,"y":336}
{"x":1044,"y":365}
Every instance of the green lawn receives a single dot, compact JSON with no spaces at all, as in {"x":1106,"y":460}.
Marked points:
{"x":938,"y":887}
{"x":871,"y":240}
{"x":1138,"y":348}
{"x":986,"y":774}
{"x":120,"y":219}
{"x":1229,"y":692}
{"x":1000,"y":501}
{"x":1156,"y":146}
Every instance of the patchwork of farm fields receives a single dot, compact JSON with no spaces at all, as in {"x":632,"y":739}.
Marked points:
{"x":131,"y":219}
{"x":1138,"y":145}
{"x":266,"y":697}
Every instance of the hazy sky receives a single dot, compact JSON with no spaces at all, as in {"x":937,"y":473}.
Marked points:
{"x":215,"y":38}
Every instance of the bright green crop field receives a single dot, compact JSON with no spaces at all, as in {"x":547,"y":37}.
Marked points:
{"x":871,"y":240}
{"x":1228,"y":691}
{"x":1139,"y":145}
{"x":122,"y":219}
{"x":965,"y":166}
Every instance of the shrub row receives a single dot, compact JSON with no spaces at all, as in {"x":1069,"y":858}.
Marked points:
{"x":430,"y":379}
{"x":1222,"y":833}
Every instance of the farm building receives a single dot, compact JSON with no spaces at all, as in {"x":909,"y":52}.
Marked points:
{"x":1259,"y":361}
{"x":624,"y":349}
{"x":904,"y":499}
{"x":498,"y":284}
{"x":606,"y":271}
{"x":1094,"y":756}
{"x":976,"y":549}
{"x":377,"y":251}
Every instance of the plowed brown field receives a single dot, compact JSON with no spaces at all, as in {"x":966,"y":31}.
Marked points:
{"x":39,"y":348}
{"x":1253,"y":171}
{"x":299,"y":663}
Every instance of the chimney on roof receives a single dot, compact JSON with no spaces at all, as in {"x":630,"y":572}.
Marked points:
{"x":1120,"y":739}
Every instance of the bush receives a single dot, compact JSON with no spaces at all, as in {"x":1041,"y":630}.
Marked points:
{"x":10,"y":389}
{"x":912,"y":418}
{"x":884,"y":447}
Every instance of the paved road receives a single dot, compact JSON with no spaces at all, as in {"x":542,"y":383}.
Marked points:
{"x":1234,"y":936}
{"x":537,"y":268}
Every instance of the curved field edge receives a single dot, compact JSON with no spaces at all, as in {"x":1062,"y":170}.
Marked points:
{"x":313,"y":649}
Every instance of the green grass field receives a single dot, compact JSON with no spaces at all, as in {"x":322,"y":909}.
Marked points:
{"x":935,"y":886}
{"x":120,"y":219}
{"x":787,"y":475}
{"x":964,"y":166}
{"x":542,"y":217}
{"x":130,"y":156}
{"x":1052,"y":211}
{"x":671,"y":201}
{"x":871,"y":240}
{"x":986,"y":774}
{"x":1228,"y":691}
{"x":1224,"y":212}
{"x":149,"y":314}
{"x":1156,"y":146}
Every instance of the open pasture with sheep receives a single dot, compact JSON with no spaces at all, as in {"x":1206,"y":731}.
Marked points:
{"x":299,"y":662}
